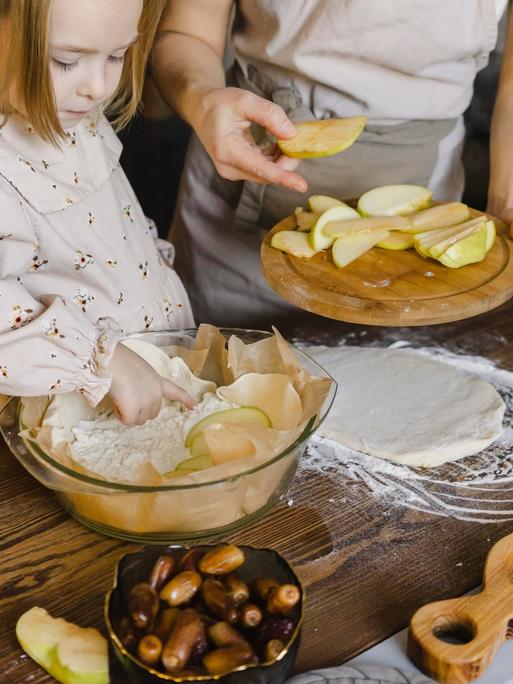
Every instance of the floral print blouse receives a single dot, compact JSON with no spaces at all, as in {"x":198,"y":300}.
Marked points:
{"x":80,"y":264}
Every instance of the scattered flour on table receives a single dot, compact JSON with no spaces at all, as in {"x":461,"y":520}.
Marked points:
{"x":116,"y":451}
{"x":477,"y":488}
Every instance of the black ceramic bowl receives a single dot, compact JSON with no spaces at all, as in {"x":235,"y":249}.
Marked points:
{"x":136,"y":567}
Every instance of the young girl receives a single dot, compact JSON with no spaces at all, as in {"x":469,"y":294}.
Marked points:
{"x":80,"y":267}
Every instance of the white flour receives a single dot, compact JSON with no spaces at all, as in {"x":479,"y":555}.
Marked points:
{"x":478,"y":488}
{"x":115,"y":451}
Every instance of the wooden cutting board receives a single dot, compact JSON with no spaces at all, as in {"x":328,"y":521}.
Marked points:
{"x":390,"y":287}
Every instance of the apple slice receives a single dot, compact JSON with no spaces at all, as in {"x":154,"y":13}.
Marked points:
{"x":435,"y":250}
{"x":293,"y":242}
{"x":305,"y":219}
{"x":321,"y":203}
{"x":393,"y":200}
{"x":397,"y":240}
{"x":491,"y":234}
{"x":322,"y":138}
{"x":318,"y":239}
{"x":244,"y":414}
{"x":191,"y":465}
{"x":338,"y":229}
{"x":441,"y":216}
{"x":424,"y":241}
{"x":469,"y":250}
{"x":70,"y":654}
{"x":347,"y":249}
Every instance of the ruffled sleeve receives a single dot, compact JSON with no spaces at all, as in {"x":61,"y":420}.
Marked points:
{"x":47,"y":344}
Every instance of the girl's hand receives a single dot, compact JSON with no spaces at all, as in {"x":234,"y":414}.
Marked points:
{"x":223,"y":125}
{"x":137,"y":389}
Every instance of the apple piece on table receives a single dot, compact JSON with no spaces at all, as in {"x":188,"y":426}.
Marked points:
{"x":322,"y":138}
{"x":441,"y":216}
{"x":294,"y":242}
{"x":305,"y":219}
{"x":343,"y":228}
{"x":321,"y":203}
{"x":469,"y":250}
{"x":394,"y":200}
{"x":70,"y":654}
{"x":397,"y":241}
{"x":347,"y":249}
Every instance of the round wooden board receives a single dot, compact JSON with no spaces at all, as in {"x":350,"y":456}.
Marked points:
{"x":390,"y":287}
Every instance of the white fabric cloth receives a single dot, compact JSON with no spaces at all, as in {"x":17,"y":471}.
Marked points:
{"x":79,"y":265}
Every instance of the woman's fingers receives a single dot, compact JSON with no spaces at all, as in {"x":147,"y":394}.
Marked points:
{"x":251,"y":164}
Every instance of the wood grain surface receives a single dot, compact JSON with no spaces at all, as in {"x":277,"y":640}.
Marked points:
{"x":367,"y":566}
{"x":390,"y":287}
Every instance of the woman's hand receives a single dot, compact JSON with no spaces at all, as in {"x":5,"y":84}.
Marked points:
{"x":137,"y":389}
{"x":223,"y":125}
{"x":502,"y":208}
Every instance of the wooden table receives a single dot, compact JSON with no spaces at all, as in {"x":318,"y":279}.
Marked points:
{"x":366,"y":568}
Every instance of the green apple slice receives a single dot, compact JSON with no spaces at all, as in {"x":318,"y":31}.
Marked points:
{"x":397,"y":240}
{"x":425,"y":241}
{"x":190,"y":465}
{"x":293,"y":242}
{"x":347,"y":249}
{"x":318,"y":239}
{"x":491,"y":234}
{"x":305,"y":219}
{"x":469,"y":250}
{"x":439,"y":248}
{"x":243,"y":414}
{"x":321,"y":203}
{"x":70,"y":654}
{"x":322,"y":138}
{"x":441,"y":216}
{"x":338,"y":229}
{"x":393,"y":200}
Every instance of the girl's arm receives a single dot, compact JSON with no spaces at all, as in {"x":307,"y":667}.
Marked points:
{"x":49,"y":345}
{"x":188,"y":69}
{"x":500,"y":193}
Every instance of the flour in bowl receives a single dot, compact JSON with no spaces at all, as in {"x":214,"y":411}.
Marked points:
{"x":115,"y":451}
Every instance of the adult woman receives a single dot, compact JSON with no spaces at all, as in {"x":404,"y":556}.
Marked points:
{"x":409,"y":66}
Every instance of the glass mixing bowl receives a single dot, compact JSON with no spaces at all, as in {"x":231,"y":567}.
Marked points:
{"x":170,"y":512}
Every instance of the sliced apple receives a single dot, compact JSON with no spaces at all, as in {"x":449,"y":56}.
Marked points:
{"x":442,"y":246}
{"x":305,"y":219}
{"x":293,"y":242}
{"x":397,"y":240}
{"x":343,"y":228}
{"x":424,"y":241}
{"x":441,"y":216}
{"x":243,"y":414}
{"x":191,"y":465}
{"x":322,"y":138}
{"x":347,"y":249}
{"x":469,"y":250}
{"x":393,"y":200}
{"x":321,"y":203}
{"x":70,"y":654}
{"x":318,"y":239}
{"x":491,"y":234}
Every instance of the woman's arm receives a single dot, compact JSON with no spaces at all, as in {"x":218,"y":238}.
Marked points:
{"x":188,"y":69}
{"x":500,"y":192}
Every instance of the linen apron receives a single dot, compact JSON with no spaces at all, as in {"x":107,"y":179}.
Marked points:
{"x":408,"y":65}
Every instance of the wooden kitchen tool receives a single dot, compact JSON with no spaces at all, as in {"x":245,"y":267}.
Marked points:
{"x":454,"y":641}
{"x":389,"y":287}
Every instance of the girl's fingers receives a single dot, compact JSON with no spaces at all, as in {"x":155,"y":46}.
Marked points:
{"x":175,"y":393}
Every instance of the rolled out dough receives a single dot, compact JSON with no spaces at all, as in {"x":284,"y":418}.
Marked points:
{"x":400,"y":405}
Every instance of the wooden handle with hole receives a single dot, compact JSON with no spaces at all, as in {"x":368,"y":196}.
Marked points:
{"x":476,"y":625}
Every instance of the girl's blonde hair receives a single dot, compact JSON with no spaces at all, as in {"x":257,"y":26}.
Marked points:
{"x":27,"y":70}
